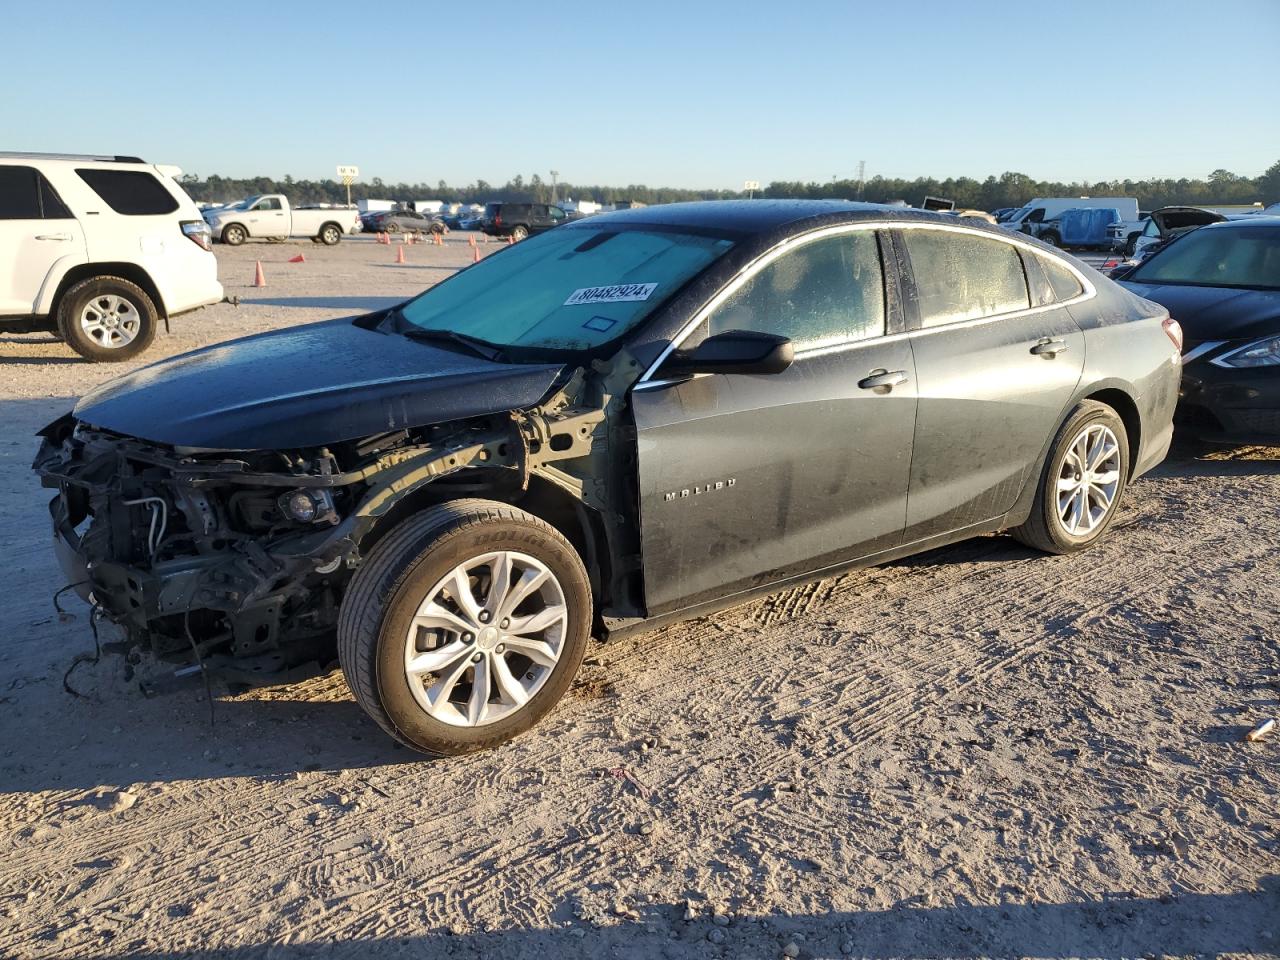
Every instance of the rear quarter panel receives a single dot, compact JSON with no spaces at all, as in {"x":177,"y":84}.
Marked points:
{"x":1127,"y":349}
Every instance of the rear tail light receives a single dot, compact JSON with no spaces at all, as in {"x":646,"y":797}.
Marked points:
{"x":198,"y":232}
{"x":1173,"y":330}
{"x":497,"y":219}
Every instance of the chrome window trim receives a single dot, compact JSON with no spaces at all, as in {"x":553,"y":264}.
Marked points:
{"x":802,"y":239}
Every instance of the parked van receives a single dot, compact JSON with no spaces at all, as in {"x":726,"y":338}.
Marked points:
{"x":1042,"y":209}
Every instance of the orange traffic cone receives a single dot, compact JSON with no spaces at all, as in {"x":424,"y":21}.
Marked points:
{"x":475,"y":254}
{"x":259,"y":280}
{"x":400,"y":254}
{"x":298,"y":259}
{"x":439,"y":239}
{"x":404,"y":238}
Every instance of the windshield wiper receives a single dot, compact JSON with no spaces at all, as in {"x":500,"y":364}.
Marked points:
{"x":481,"y":348}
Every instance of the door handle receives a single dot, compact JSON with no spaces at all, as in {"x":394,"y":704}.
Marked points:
{"x":883,"y":380}
{"x":1049,"y":347}
{"x":53,"y":236}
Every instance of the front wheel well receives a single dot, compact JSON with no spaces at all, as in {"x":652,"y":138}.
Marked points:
{"x":1123,"y":404}
{"x":125,"y":271}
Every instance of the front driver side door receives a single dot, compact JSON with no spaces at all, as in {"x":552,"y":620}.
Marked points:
{"x":747,"y":480}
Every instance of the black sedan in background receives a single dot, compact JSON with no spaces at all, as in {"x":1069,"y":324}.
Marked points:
{"x":1222,"y":283}
{"x":404,"y":221}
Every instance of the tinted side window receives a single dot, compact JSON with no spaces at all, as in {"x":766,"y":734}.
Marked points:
{"x":19,"y":193}
{"x":963,"y":277}
{"x":130,"y":192}
{"x":826,"y":292}
{"x":1064,"y":282}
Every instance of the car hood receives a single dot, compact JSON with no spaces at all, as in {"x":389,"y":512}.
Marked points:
{"x":1215,"y":313}
{"x":307,"y":386}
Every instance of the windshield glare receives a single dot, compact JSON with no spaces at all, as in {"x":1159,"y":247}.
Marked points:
{"x":570,"y":289}
{"x":1231,"y":257}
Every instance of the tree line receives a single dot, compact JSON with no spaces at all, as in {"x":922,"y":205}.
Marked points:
{"x":1006,"y":190}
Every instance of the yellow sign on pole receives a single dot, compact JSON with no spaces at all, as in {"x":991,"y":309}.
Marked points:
{"x":349,"y":175}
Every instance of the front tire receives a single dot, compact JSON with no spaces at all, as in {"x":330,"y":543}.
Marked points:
{"x":464,"y":626}
{"x":1051,"y":238}
{"x":1084,"y":479}
{"x":107,"y":319}
{"x":234,"y":235}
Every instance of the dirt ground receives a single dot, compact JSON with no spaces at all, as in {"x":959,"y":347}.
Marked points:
{"x":976,"y":752}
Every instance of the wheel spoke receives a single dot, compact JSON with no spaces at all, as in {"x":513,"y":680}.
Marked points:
{"x":460,"y":590}
{"x":537,"y":622}
{"x":510,"y":689}
{"x":539,"y":651}
{"x":531,"y":580}
{"x":432,"y":616}
{"x":1106,"y":479}
{"x":478,"y":702}
{"x":433,"y":661}
{"x":499,"y":585}
{"x":438,"y":695}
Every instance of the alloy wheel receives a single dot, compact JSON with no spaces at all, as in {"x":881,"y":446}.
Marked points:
{"x":110,"y":321}
{"x":1088,"y":479}
{"x":486,"y":639}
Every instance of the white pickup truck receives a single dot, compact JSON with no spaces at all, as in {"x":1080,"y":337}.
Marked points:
{"x":269,"y":217}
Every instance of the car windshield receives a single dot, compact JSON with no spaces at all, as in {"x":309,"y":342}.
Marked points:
{"x":1247,"y":257}
{"x":570,"y":289}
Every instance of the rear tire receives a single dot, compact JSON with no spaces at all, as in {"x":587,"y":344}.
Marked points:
{"x":107,"y":319}
{"x":1069,"y":513}
{"x":330,"y":234}
{"x":519,"y":232}
{"x":400,"y":609}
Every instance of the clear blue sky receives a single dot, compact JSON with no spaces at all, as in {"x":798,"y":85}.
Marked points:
{"x":693,"y":94}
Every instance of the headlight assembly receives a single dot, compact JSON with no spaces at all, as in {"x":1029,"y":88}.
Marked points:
{"x":1258,"y":353}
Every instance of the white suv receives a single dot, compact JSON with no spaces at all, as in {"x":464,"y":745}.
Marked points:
{"x":99,"y":250}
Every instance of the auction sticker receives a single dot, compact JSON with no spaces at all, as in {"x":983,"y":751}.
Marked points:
{"x":618,"y":293}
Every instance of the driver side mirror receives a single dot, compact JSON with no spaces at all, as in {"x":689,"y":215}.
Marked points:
{"x":735,"y":351}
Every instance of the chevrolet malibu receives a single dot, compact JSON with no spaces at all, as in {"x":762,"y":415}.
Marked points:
{"x":633,"y":419}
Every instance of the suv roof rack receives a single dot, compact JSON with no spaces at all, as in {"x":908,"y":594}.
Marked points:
{"x":23,"y":155}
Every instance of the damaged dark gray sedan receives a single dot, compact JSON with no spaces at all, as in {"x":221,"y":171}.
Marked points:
{"x":631,"y":419}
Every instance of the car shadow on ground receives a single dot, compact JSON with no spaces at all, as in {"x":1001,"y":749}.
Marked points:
{"x":353,"y":303}
{"x":170,"y":737}
{"x":1116,"y":925}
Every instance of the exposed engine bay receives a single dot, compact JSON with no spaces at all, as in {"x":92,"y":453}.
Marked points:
{"x":240,"y":560}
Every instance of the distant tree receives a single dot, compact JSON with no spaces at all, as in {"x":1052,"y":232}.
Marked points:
{"x":1269,"y":184}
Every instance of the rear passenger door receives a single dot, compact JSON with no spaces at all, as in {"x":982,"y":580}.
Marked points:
{"x":37,"y":231}
{"x":996,"y":363}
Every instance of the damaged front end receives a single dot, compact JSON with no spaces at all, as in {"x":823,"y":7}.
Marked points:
{"x":240,"y":560}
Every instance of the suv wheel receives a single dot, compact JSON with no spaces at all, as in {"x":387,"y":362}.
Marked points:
{"x":107,"y":319}
{"x":464,"y":626}
{"x":1084,"y":479}
{"x":1051,"y":238}
{"x":519,"y":232}
{"x":234,"y":235}
{"x":330,"y":235}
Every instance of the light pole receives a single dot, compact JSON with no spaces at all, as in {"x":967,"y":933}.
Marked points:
{"x":554,"y":174}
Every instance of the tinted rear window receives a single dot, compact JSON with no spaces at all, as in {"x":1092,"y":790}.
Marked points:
{"x":1064,"y":282}
{"x":19,"y":194}
{"x":133,"y":193}
{"x":960,"y":276}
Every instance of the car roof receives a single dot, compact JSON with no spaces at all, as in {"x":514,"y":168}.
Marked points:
{"x":750,"y":217}
{"x":77,"y":157}
{"x":1247,"y":220}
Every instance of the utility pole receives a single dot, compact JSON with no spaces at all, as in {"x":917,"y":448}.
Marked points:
{"x":554,"y":174}
{"x":862,"y":176}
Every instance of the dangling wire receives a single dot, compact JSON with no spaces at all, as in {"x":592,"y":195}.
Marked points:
{"x":195,"y":649}
{"x":95,"y":613}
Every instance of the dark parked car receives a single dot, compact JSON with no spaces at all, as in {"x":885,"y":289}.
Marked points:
{"x":1222,"y":283}
{"x":520,"y":220}
{"x":633,"y":419}
{"x":405,"y":221}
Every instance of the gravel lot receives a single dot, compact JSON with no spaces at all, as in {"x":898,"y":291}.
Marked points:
{"x":976,"y":752}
